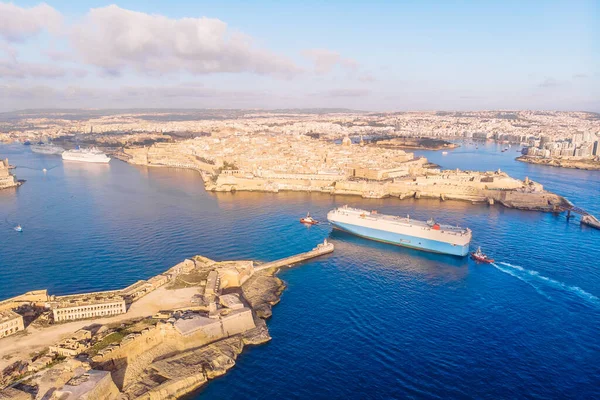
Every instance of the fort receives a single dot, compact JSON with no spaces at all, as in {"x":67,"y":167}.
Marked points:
{"x":270,"y":163}
{"x":151,"y":340}
{"x":7,"y":180}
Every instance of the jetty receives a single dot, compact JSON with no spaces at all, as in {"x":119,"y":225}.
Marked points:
{"x":321,"y":249}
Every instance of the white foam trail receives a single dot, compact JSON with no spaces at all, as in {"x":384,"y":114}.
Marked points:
{"x":509,"y":272}
{"x":556,"y":284}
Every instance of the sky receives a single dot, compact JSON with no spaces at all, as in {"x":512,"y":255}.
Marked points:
{"x":365,"y":55}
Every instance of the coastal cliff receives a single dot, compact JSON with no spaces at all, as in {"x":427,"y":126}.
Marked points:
{"x":586,"y":164}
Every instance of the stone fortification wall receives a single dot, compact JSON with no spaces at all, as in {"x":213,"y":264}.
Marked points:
{"x":542,"y":201}
{"x":228,"y":183}
{"x":504,"y":190}
{"x":7,"y":180}
{"x":167,"y":155}
{"x":236,"y":274}
{"x":36,"y":296}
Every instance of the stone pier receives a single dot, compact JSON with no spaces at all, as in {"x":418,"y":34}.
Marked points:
{"x":321,"y":249}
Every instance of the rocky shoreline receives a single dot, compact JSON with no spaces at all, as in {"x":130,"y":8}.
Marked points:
{"x":162,"y":356}
{"x":589,"y":165}
{"x":188,"y":371}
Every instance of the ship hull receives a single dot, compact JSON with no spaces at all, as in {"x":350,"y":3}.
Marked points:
{"x":413,"y":242}
{"x":94,"y":159}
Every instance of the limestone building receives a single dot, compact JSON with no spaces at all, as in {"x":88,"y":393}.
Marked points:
{"x":69,"y":308}
{"x":10,"y":323}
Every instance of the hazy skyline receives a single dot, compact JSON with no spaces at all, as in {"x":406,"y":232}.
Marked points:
{"x":376,"y":56}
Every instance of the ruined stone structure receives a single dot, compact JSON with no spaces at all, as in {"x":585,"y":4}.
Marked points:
{"x":72,"y":345}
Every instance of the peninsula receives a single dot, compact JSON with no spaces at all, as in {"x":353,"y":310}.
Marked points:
{"x":159,"y":338}
{"x":590,"y":164}
{"x":272,"y":163}
{"x":415,"y":143}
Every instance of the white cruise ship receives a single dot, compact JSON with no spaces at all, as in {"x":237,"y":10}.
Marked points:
{"x":406,"y":232}
{"x":47,"y":149}
{"x":91,"y":155}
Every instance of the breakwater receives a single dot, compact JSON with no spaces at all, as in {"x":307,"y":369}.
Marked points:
{"x":321,"y":249}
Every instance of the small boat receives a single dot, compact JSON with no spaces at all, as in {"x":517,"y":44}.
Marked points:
{"x":444,"y":153}
{"x":18,"y":228}
{"x":480,"y":257}
{"x":309,"y":220}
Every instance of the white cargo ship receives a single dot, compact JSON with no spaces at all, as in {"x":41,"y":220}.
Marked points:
{"x":402,"y":231}
{"x":43,"y":148}
{"x":92,"y":155}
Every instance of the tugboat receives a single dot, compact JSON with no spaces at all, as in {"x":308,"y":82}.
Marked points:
{"x":308,"y":220}
{"x":480,"y":257}
{"x":18,"y":228}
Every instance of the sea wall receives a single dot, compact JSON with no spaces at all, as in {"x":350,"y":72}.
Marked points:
{"x":7,"y":180}
{"x":38,"y":297}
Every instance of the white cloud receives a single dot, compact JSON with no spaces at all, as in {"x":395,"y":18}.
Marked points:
{"x":325,"y":60}
{"x":16,"y":96}
{"x":343,"y":93}
{"x":115,"y":40}
{"x":22,"y":70}
{"x":18,"y":23}
{"x":367,"y":78}
{"x":549,"y":82}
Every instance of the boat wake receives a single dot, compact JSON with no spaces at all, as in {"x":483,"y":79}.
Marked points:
{"x":540,"y":282}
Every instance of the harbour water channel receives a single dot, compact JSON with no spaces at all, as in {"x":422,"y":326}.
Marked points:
{"x":370,"y":320}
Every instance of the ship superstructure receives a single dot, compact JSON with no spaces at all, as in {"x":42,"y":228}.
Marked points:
{"x":402,"y":231}
{"x":43,"y":148}
{"x":91,"y":155}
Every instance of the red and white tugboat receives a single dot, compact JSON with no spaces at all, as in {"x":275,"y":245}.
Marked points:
{"x":308,"y":220}
{"x":480,"y":257}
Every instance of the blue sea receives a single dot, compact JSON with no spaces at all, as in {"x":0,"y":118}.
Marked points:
{"x":370,"y":321}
